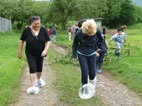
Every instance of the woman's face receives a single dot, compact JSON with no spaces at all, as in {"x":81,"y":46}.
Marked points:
{"x":36,"y":24}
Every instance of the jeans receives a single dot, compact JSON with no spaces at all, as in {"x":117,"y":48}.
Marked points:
{"x":54,"y":38}
{"x":50,"y":37}
{"x":88,"y":67}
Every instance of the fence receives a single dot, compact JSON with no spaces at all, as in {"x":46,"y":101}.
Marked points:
{"x":5,"y":24}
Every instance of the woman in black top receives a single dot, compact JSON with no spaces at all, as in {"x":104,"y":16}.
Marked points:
{"x":37,"y":44}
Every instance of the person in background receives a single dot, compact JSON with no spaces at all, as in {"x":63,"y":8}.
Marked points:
{"x":119,"y":39}
{"x":75,"y":29}
{"x":49,"y":32}
{"x":37,"y":44}
{"x":43,"y":26}
{"x":54,"y":32}
{"x":100,"y":58}
{"x":70,"y":32}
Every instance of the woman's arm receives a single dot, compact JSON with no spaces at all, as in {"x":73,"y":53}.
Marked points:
{"x":20,"y":49}
{"x":101,"y":39}
{"x":47,"y":45}
{"x":75,"y":46}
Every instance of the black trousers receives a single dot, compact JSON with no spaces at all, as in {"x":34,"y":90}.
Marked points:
{"x":35,"y":63}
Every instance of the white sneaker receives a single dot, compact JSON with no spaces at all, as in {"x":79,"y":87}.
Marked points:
{"x":33,"y":90}
{"x":40,"y":83}
{"x":93,"y":82}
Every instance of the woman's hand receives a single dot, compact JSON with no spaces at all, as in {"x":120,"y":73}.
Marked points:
{"x":74,"y":59}
{"x":97,"y":54}
{"x":20,"y":55}
{"x":20,"y":49}
{"x":98,"y":50}
{"x":43,"y":54}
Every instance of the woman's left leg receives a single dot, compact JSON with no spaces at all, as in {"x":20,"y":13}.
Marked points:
{"x":39,"y":71}
{"x":39,"y":63}
{"x":92,"y":66}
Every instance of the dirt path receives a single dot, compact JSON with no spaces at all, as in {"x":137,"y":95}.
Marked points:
{"x":109,"y":90}
{"x":47,"y":95}
{"x":59,"y":49}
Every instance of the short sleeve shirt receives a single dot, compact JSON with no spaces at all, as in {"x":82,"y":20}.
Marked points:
{"x":35,"y":44}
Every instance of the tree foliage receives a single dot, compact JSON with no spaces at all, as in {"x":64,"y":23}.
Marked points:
{"x":62,"y":10}
{"x":20,"y":11}
{"x":114,"y":12}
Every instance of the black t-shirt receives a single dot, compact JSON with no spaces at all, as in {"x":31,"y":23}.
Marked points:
{"x":35,"y":44}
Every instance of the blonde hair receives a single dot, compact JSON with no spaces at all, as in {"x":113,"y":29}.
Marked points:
{"x":89,"y":27}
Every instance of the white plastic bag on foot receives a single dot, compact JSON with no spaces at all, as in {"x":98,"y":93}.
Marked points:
{"x":87,"y":91}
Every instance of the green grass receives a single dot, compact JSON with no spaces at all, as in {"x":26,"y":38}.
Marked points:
{"x":10,"y":67}
{"x":127,"y":69}
{"x":68,"y":83}
{"x":135,"y":26}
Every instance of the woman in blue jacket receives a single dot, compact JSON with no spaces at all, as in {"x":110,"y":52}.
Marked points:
{"x":85,"y":46}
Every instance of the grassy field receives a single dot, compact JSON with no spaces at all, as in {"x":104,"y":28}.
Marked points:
{"x":10,"y":67}
{"x":68,"y":83}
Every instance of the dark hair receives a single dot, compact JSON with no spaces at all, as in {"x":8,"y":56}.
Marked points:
{"x":34,"y":18}
{"x":120,"y":29}
{"x":104,"y":31}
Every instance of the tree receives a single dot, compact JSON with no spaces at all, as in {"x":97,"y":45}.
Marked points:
{"x":112,"y":13}
{"x":61,"y":10}
{"x":16,"y":10}
{"x":92,"y":8}
{"x":42,"y":9}
{"x":128,"y":13}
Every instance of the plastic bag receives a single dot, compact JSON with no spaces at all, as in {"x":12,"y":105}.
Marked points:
{"x":33,"y":90}
{"x":87,"y":91}
{"x":93,"y":82}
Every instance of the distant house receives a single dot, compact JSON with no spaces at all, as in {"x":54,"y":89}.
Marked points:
{"x":97,"y":20}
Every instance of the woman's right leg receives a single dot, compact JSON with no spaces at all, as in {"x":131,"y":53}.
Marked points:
{"x":32,"y":67}
{"x":33,"y":78}
{"x":84,"y":69}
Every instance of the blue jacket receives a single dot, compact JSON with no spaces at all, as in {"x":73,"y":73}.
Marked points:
{"x":54,"y":32}
{"x":86,"y":44}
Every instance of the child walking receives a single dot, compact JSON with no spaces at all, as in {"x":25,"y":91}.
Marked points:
{"x":119,"y":39}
